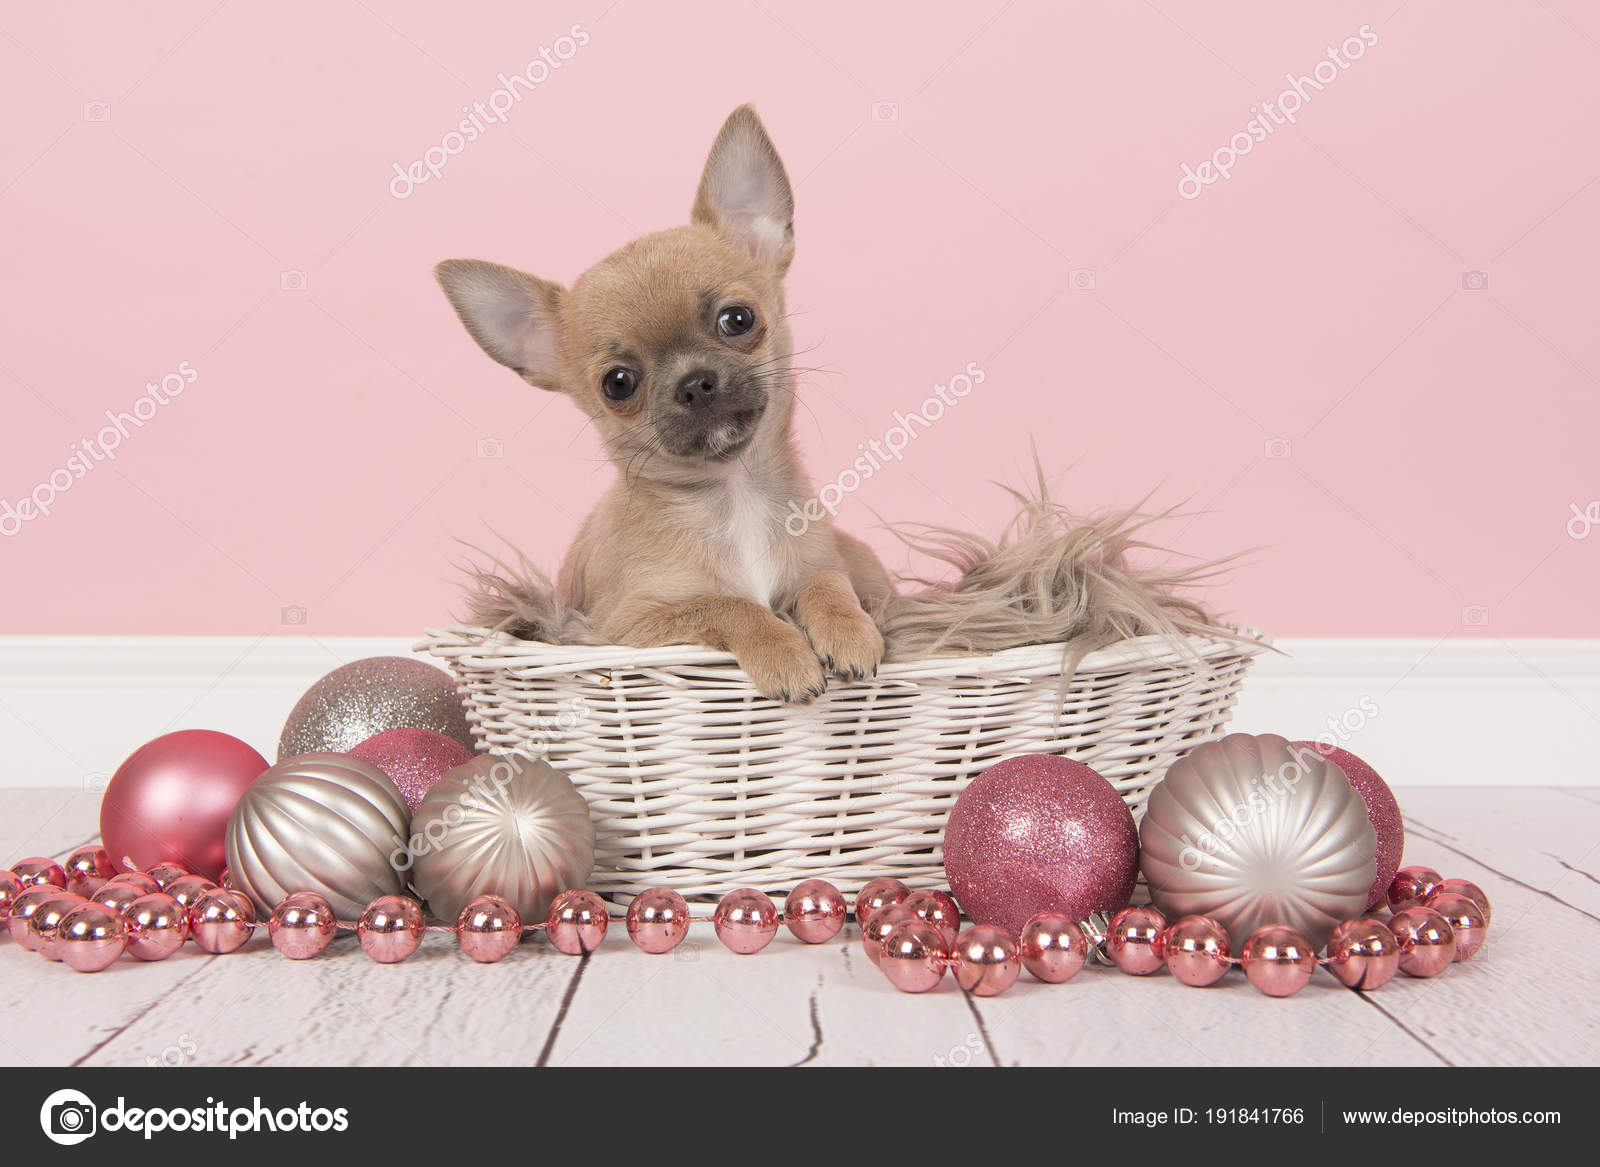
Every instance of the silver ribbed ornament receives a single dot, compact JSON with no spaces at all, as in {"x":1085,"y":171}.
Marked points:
{"x":326,"y":823}
{"x":504,"y":825}
{"x":1252,"y":830}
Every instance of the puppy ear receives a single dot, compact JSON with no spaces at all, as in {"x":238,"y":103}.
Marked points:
{"x":514,"y":317}
{"x":744,"y":193}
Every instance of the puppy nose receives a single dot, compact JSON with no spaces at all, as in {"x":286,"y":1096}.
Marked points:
{"x":696,"y":389}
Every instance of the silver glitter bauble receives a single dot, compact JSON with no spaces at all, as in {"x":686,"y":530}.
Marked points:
{"x":367,"y":697}
{"x":1251,"y":830}
{"x":502,"y":825}
{"x":327,"y":823}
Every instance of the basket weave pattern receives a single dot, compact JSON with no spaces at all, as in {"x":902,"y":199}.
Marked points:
{"x":698,"y":783}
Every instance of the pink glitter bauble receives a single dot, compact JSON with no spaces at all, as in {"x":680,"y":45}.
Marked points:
{"x":413,"y":759}
{"x":1038,"y":833}
{"x":1382,"y":810}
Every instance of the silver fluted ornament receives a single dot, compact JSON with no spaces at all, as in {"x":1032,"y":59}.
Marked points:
{"x":1252,"y":830}
{"x":368,"y":697}
{"x":327,"y":823}
{"x":503,"y":825}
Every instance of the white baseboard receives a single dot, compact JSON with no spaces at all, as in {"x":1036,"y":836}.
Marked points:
{"x":1452,"y":713}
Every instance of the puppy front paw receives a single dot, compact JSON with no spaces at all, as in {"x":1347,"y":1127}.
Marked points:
{"x":784,"y":668}
{"x":849,"y":645}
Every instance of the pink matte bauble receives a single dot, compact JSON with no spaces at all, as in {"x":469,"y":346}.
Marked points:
{"x":1278,"y":961}
{"x":658,"y":919}
{"x":390,"y":929}
{"x":171,"y":800}
{"x":413,"y":759}
{"x":1053,"y":947}
{"x":1040,"y":833}
{"x":577,"y":922}
{"x":745,"y":920}
{"x":156,"y":924}
{"x":815,"y":911}
{"x":90,"y":938}
{"x":1382,"y":811}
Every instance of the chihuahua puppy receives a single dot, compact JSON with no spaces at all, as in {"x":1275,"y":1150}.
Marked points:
{"x":678,"y":347}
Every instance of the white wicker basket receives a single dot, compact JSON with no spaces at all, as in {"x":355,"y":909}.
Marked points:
{"x":698,"y":783}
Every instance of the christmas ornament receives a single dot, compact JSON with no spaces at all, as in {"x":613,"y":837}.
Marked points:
{"x":503,"y":825}
{"x":1413,"y":886}
{"x":1136,"y":940}
{"x":163,"y":874}
{"x":658,"y":919}
{"x":1196,"y":951}
{"x":1279,"y":961}
{"x":814,"y":911}
{"x":577,"y":922}
{"x":302,"y":926}
{"x":414,"y":759}
{"x":987,"y":960}
{"x":878,"y":893}
{"x":1038,"y":833}
{"x":23,"y":907}
{"x":1053,"y":947}
{"x":156,"y":926}
{"x":90,"y":938}
{"x":172,"y":797}
{"x":1363,"y":954}
{"x":1383,"y":812}
{"x":117,"y":895}
{"x":488,"y":928}
{"x":1427,"y":942}
{"x":390,"y":928}
{"x":913,"y":956}
{"x":1466,"y":923}
{"x":44,"y":923}
{"x":10,"y":888}
{"x":221,"y":921}
{"x":186,"y":889}
{"x":938,"y":909}
{"x":879,"y":925}
{"x":746,"y":920}
{"x":87,"y":869}
{"x":1251,"y":831}
{"x":39,"y":872}
{"x":365,"y":698}
{"x":1465,"y":887}
{"x":137,"y":879}
{"x":327,"y":823}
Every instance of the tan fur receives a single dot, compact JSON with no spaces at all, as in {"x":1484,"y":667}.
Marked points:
{"x":689,"y":544}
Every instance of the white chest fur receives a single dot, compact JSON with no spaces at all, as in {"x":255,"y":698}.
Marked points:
{"x":750,"y":525}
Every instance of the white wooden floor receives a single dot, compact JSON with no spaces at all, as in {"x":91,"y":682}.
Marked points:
{"x":1531,"y":997}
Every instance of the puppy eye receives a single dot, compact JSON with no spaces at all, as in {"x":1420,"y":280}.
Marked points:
{"x":619,"y":384}
{"x":736,"y":320}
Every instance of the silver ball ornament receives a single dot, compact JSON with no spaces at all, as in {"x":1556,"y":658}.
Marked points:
{"x":368,"y":697}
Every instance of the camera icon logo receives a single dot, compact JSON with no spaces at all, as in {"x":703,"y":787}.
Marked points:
{"x":97,"y":111}
{"x":292,"y":281}
{"x":1474,"y":281}
{"x":294,"y":614}
{"x":1081,"y":279}
{"x":1278,"y":449}
{"x":68,"y":1117}
{"x":490,"y":449}
{"x":1475,"y":616}
{"x":686,"y":953}
{"x":885,"y":111}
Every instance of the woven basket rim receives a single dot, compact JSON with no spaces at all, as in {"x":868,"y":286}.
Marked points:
{"x":470,"y":644}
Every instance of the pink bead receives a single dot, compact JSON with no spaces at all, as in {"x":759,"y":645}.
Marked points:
{"x":44,"y":924}
{"x":938,"y":909}
{"x":488,"y":928}
{"x":658,"y":919}
{"x":815,"y":911}
{"x":878,"y":927}
{"x":137,"y":879}
{"x":1053,"y":947}
{"x":90,"y":938}
{"x":1465,"y":887}
{"x":10,"y":888}
{"x":913,"y":956}
{"x":165,"y":873}
{"x":1363,"y":954}
{"x":577,"y":922}
{"x":987,"y":960}
{"x":1466,"y":921}
{"x":118,"y":894}
{"x":39,"y":871}
{"x":88,"y":869}
{"x":1197,"y":951}
{"x":877,"y":894}
{"x":1134,"y":940}
{"x":221,"y":921}
{"x":390,"y":929}
{"x":156,"y":926}
{"x":1427,"y":942}
{"x":1413,"y":886}
{"x":23,"y":906}
{"x":745,"y":920}
{"x":186,"y":889}
{"x":302,"y":925}
{"x":1279,"y":961}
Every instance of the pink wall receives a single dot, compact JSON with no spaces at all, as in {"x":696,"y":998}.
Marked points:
{"x":165,"y":169}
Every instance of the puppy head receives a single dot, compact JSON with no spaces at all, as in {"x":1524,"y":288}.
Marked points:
{"x":675,"y":345}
